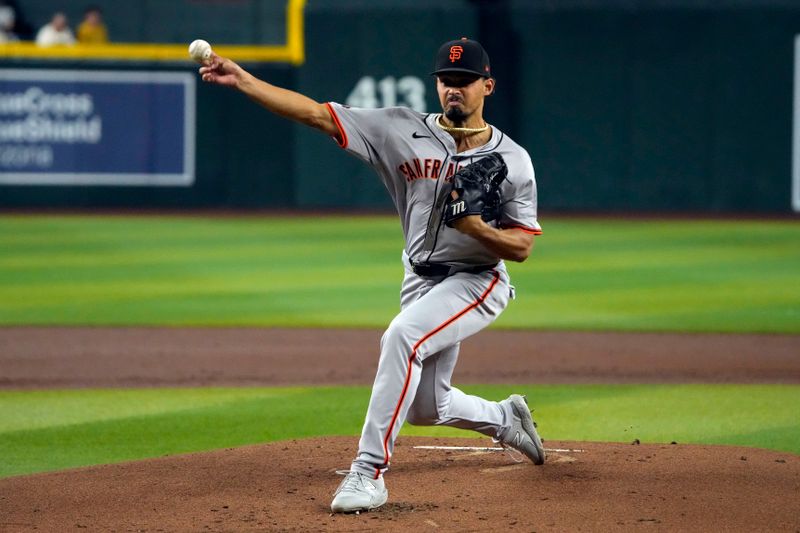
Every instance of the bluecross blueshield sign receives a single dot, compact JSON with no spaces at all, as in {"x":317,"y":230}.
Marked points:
{"x":81,"y":127}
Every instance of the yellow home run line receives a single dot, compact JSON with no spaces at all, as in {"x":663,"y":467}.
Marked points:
{"x":490,"y":449}
{"x":292,"y":52}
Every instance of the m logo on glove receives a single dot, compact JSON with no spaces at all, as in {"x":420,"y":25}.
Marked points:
{"x":476,"y":190}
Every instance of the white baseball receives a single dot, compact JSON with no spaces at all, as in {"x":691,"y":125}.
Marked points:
{"x":200,"y":50}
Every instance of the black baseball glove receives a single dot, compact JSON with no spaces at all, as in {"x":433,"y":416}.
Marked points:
{"x":477,"y":190}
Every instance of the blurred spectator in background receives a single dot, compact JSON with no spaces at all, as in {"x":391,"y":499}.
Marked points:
{"x":56,"y":32}
{"x":8,"y":18}
{"x":13,"y":24}
{"x":92,"y":30}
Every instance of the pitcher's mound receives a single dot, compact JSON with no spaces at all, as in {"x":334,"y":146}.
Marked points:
{"x":288,"y":486}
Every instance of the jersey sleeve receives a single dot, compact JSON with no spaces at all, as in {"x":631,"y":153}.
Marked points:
{"x":362,"y":132}
{"x":520,"y":200}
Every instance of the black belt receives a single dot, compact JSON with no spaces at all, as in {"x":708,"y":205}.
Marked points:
{"x":439,"y":270}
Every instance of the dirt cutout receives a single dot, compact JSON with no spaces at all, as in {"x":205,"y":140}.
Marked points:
{"x":287,"y":486}
{"x":59,"y":357}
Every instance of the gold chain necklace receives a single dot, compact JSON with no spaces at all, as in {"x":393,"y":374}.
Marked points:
{"x":453,"y":129}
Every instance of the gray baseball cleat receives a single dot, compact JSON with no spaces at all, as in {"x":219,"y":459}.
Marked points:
{"x":521,"y":434}
{"x":358,"y":492}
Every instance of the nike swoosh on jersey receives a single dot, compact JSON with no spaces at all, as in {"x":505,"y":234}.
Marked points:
{"x":418,"y":136}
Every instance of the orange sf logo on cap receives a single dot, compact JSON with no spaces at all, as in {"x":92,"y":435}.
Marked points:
{"x":455,"y":53}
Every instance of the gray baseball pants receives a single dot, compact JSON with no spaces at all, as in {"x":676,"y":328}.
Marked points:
{"x":419,"y":351}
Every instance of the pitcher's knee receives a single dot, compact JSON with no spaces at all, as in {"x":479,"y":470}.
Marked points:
{"x":426,"y":410}
{"x":421,"y":417}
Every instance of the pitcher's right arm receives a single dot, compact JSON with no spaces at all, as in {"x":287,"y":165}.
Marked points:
{"x":283,"y":102}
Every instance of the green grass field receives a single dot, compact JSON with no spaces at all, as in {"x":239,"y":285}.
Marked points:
{"x":671,"y":275}
{"x":46,"y":430}
{"x":585,"y":274}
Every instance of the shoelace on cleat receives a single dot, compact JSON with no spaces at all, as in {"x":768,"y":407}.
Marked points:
{"x":515,"y":455}
{"x":350,"y":483}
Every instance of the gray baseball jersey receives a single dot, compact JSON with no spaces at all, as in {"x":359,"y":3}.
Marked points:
{"x":416,"y":161}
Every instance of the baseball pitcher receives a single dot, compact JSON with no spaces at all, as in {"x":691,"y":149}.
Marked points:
{"x":466,"y":196}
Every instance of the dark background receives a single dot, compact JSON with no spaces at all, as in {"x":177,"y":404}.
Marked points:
{"x":624,"y":106}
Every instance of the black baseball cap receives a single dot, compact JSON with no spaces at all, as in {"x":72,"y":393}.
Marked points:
{"x":462,"y":55}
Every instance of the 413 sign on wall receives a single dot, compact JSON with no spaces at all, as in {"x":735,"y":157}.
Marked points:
{"x":408,"y":91}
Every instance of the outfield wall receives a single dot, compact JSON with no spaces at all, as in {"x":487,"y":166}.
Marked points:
{"x":623,"y":107}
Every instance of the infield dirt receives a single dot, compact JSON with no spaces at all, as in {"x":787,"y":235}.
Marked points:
{"x":287,"y":486}
{"x":59,"y":357}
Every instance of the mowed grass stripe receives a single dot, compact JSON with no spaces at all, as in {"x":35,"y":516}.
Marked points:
{"x":587,"y":274}
{"x":49,"y":430}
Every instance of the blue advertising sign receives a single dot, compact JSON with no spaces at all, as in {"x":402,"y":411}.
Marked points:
{"x":85,"y":127}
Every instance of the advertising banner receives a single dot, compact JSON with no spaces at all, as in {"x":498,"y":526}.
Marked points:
{"x":87,"y":127}
{"x":796,"y":129}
